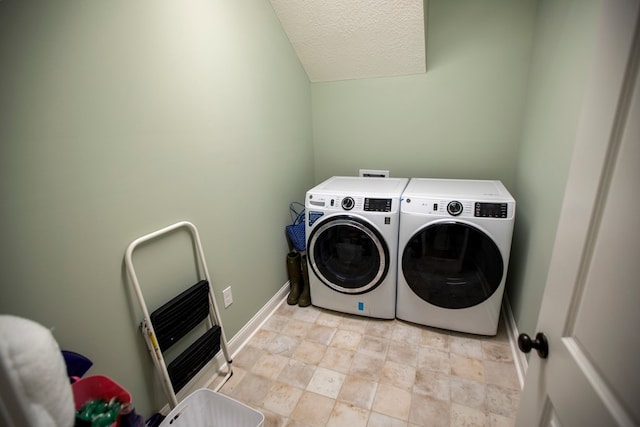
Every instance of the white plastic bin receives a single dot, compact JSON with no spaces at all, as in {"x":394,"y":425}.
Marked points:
{"x":204,"y":408}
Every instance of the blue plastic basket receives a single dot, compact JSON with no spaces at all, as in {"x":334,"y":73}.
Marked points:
{"x":295,"y":231}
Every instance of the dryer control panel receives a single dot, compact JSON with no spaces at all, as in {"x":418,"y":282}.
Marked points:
{"x":459,"y":208}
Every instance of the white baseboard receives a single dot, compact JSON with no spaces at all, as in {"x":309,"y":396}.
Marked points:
{"x":519,"y":358}
{"x":213,"y":369}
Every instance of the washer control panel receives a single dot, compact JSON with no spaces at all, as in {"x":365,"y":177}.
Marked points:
{"x":377,"y":205}
{"x":352,"y":203}
{"x":490,"y":210}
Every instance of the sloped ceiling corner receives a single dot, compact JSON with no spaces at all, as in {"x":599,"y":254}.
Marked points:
{"x":343,"y":40}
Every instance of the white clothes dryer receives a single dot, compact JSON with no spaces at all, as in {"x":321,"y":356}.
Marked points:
{"x":352,"y":244}
{"x":453,"y":252}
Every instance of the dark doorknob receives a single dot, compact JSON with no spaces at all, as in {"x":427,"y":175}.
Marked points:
{"x":525,"y":343}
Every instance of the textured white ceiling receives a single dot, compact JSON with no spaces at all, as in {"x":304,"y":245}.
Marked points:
{"x":352,"y":39}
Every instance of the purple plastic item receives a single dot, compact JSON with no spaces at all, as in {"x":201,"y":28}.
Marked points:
{"x":77,"y":364}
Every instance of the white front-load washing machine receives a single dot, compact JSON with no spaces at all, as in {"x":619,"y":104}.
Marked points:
{"x":352,"y":240}
{"x":453,"y":252}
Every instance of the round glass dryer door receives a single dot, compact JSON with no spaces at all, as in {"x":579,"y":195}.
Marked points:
{"x":348,"y":255}
{"x":452,"y":265}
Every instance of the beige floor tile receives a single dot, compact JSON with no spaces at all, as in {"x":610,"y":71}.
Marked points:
{"x":407,"y":332}
{"x":434,"y":360}
{"x":347,"y":340}
{"x":313,"y":409}
{"x":366,"y":367}
{"x":308,"y":314}
{"x":297,"y":373}
{"x":466,"y":367}
{"x":262,"y":338}
{"x":326,"y":382}
{"x":501,"y":373}
{"x":392,"y":401}
{"x":269,"y":365}
{"x":435,"y":339}
{"x":296,"y":328}
{"x":275,"y":323}
{"x":283,"y":345}
{"x":496,"y":420}
{"x":311,"y":367}
{"x":287,"y":310}
{"x":465,"y":346}
{"x":320,"y":334}
{"x":428,"y":411}
{"x":252,"y":389}
{"x":310,"y":352}
{"x":497,"y":351}
{"x":347,"y":415}
{"x":502,"y":401}
{"x":337,"y":359}
{"x":232,"y":383}
{"x":380,"y":328}
{"x":434,"y":384}
{"x":374,"y":346}
{"x":282,"y":399}
{"x":297,"y":423}
{"x":358,"y":391}
{"x":468,"y":393}
{"x":248,"y":357}
{"x":271,"y":419}
{"x":398,"y":375}
{"x":330,"y":319}
{"x":463,"y":416}
{"x":381,"y":420}
{"x":354,"y":323}
{"x":404,"y":353}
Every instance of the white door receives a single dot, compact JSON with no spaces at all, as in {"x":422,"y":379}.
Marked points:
{"x":591,"y":307}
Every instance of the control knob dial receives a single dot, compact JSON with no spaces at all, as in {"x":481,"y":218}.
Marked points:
{"x":454,"y":208}
{"x":348,"y":203}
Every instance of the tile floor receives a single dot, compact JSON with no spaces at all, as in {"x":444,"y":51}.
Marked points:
{"x":314,"y":367}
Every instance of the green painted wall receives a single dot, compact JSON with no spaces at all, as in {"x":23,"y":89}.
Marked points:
{"x":563,"y":49}
{"x":118,"y":118}
{"x":462,"y":119}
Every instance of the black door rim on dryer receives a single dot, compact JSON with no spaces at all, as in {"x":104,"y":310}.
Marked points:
{"x":348,"y":254}
{"x":452,"y":264}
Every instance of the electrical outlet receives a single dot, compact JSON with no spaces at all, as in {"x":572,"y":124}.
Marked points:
{"x":228,"y":297}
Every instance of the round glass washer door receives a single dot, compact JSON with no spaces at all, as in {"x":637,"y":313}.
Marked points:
{"x":348,"y":254}
{"x":452,"y":265}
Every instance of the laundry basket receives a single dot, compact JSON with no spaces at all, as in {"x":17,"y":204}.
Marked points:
{"x":98,"y":387}
{"x":205,"y":407}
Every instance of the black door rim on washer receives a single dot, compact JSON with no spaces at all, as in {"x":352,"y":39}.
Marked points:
{"x":348,"y":254}
{"x":452,"y":265}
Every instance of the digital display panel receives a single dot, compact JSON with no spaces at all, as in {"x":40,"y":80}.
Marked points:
{"x":491,"y":210}
{"x":377,"y":205}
